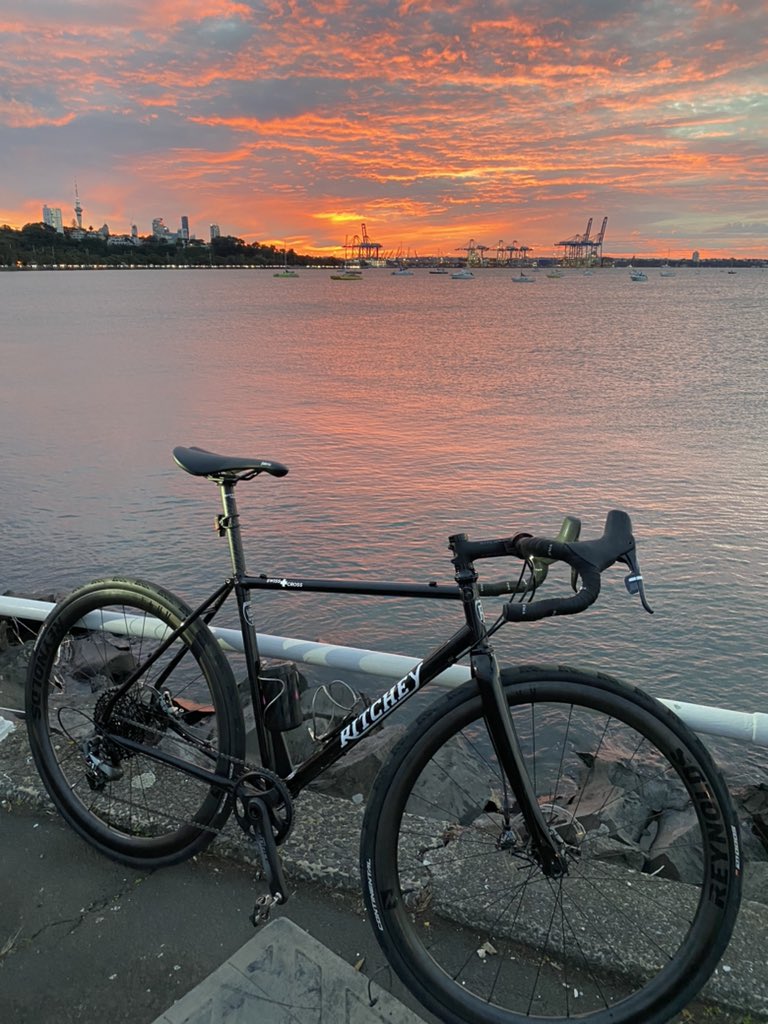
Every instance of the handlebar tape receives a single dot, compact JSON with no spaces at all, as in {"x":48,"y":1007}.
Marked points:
{"x":587,"y":558}
{"x":569,"y":531}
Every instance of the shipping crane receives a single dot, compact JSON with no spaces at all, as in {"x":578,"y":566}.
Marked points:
{"x":361,"y":247}
{"x":581,"y":248}
{"x":597,"y":245}
{"x":474,"y":251}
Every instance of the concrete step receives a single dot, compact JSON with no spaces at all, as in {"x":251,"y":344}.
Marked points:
{"x":284,"y":976}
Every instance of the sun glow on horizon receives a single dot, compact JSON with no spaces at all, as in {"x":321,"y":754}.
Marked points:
{"x":429,"y":125}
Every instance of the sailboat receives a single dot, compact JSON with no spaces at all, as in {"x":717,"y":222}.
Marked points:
{"x":286,"y":271}
{"x":665,"y":269}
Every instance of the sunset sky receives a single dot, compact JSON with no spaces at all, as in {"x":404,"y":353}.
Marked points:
{"x":431,"y":121}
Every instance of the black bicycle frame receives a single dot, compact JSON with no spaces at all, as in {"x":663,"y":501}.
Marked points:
{"x":470,"y":639}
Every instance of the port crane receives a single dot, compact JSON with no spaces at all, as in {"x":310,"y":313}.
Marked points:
{"x":582,"y":248}
{"x":361,"y":247}
{"x":475,"y":253}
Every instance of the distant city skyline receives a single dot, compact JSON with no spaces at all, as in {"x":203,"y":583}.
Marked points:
{"x":432,"y":124}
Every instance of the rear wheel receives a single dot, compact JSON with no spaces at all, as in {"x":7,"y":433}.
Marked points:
{"x":456,"y":896}
{"x":127,"y":803}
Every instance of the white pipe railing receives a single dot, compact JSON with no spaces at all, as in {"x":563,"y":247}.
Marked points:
{"x":751,"y":727}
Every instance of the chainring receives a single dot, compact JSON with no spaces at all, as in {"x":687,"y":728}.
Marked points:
{"x":263,"y":783}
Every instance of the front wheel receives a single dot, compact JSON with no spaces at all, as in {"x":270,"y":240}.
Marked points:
{"x":180,"y":702}
{"x":456,"y":896}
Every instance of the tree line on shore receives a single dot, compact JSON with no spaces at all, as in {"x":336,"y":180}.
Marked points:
{"x":40,"y":245}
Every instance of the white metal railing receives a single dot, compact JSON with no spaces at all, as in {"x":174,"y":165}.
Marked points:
{"x":751,"y":727}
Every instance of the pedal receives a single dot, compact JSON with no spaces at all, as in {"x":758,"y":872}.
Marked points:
{"x":262,"y":908}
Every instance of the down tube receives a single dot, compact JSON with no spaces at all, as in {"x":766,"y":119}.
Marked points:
{"x":352,"y":732}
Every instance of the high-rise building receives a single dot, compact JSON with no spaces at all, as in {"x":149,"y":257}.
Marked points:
{"x":159,"y":230}
{"x":185,"y":229}
{"x":52,"y":217}
{"x":215,"y":232}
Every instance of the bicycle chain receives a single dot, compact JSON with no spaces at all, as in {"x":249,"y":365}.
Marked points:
{"x":246,"y":769}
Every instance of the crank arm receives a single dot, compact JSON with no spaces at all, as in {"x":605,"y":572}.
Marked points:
{"x":261,"y":825}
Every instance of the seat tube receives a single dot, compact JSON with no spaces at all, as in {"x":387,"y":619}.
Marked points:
{"x":229,"y":523}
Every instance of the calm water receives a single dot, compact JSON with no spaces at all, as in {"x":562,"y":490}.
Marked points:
{"x":407,"y":409}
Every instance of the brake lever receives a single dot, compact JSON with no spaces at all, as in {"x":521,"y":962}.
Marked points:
{"x":633,"y":581}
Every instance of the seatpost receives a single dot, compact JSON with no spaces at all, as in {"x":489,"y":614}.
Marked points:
{"x":229,"y":524}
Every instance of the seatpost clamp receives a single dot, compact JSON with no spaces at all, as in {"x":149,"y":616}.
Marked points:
{"x":222,"y":523}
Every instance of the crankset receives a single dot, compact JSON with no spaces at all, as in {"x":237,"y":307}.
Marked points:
{"x":264,"y":811}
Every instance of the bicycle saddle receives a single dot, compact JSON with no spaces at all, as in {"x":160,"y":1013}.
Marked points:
{"x":199,"y":462}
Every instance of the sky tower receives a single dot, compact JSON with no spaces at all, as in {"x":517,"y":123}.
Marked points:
{"x":78,"y":208}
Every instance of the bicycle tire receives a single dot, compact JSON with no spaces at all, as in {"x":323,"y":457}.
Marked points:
{"x":462,"y":911}
{"x":153,"y":814}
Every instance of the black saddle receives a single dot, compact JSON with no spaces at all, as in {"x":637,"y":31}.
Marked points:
{"x":199,"y":462}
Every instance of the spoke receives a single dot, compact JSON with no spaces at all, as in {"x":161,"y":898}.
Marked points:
{"x":635,"y":923}
{"x":586,"y":964}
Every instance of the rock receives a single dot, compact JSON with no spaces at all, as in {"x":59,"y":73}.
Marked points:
{"x":13,"y":665}
{"x":604,"y":848}
{"x":356,"y":771}
{"x":751,"y":804}
{"x":451,"y":789}
{"x":677,"y":852}
{"x":609,"y":795}
{"x":756,"y":881}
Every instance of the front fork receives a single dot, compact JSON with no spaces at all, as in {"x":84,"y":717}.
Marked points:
{"x":546,"y":846}
{"x":501,"y":728}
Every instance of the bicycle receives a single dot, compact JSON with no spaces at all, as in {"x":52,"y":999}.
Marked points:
{"x":529,"y":828}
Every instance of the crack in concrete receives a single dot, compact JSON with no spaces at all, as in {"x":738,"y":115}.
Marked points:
{"x":94,"y":907}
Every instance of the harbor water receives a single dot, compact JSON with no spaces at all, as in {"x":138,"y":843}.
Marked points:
{"x":407,"y":409}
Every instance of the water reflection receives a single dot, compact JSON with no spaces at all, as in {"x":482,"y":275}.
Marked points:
{"x":406,"y":411}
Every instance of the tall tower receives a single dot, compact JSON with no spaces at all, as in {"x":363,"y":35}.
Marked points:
{"x":78,"y":208}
